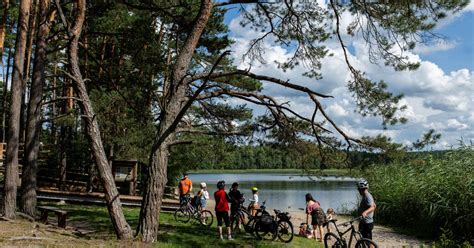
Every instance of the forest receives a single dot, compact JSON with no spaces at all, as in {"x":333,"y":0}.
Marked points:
{"x":86,"y":82}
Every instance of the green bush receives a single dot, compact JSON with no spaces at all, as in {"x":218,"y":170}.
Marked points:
{"x":428,"y":194}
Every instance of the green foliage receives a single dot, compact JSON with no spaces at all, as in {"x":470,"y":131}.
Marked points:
{"x":428,"y":193}
{"x":429,"y":138}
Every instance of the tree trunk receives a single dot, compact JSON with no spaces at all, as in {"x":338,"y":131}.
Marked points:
{"x":11,"y":165}
{"x":26,"y":70}
{"x":156,"y":180}
{"x":4,"y":100}
{"x":3,"y":27}
{"x":33,"y":128}
{"x":121,"y":227}
{"x":153,"y":195}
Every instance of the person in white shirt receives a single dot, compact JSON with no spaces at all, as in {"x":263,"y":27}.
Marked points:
{"x":203,"y":195}
{"x":254,"y":201}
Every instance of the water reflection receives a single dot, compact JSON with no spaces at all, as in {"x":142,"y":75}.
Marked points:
{"x":287,"y":191}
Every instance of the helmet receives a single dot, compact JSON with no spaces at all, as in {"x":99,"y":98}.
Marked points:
{"x":235,"y":185}
{"x":254,"y":189}
{"x":220,"y":184}
{"x":203,"y":185}
{"x":363,"y":184}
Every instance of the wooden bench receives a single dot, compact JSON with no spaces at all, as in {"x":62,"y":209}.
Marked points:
{"x":62,"y":215}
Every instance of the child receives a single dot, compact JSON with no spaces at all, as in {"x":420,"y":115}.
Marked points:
{"x":330,"y":216}
{"x":203,"y":195}
{"x":254,"y":201}
{"x":305,"y":232}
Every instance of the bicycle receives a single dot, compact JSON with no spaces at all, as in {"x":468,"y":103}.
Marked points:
{"x":241,"y":215}
{"x":338,"y":240}
{"x":186,"y":210}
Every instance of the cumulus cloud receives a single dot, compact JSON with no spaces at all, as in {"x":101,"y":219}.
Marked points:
{"x":435,"y":99}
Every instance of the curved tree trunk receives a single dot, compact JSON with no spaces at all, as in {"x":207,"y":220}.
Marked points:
{"x":121,"y":227}
{"x":11,"y":165}
{"x":173,"y":108}
{"x":28,"y":182}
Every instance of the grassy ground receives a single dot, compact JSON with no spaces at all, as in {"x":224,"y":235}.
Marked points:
{"x":91,"y":227}
{"x":327,"y":172}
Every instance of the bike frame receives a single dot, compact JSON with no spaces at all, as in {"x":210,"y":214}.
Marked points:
{"x":351,"y":229}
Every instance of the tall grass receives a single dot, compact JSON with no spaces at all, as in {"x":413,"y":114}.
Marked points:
{"x":428,"y":194}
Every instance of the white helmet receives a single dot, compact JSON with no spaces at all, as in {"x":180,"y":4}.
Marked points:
{"x":363,"y":184}
{"x":203,"y":185}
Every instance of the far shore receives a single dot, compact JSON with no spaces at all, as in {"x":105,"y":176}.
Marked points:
{"x":326,"y":172}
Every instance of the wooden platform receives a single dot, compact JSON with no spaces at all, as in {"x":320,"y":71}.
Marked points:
{"x":98,"y":198}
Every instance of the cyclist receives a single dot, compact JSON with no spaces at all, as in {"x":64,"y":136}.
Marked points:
{"x":253,"y":201}
{"x":236,"y":199}
{"x":222,"y":209}
{"x":366,"y":210}
{"x":185,"y":187}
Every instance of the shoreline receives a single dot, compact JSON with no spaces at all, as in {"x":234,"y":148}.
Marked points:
{"x":326,"y":172}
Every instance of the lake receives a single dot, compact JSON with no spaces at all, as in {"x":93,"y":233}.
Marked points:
{"x":287,"y":191}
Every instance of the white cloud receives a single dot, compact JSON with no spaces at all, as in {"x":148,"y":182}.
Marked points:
{"x":435,"y":99}
{"x":438,"y":45}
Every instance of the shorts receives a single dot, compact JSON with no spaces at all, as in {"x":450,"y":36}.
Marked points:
{"x":365,"y":229}
{"x":222,"y":216}
{"x":203,"y":203}
{"x":318,"y":217}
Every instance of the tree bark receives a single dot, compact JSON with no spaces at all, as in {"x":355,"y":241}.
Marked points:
{"x":26,"y":70}
{"x":3,"y":27}
{"x":121,"y":227}
{"x":172,"y":106}
{"x":30,"y":166}
{"x":11,"y":165}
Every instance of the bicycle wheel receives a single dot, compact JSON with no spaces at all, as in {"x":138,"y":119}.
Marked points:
{"x":250,"y":226}
{"x":182,"y":215}
{"x":206,"y":218}
{"x":285,"y":231}
{"x":366,"y":243}
{"x":262,"y":232}
{"x":331,"y":240}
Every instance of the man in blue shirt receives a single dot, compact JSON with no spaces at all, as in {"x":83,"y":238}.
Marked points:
{"x":366,"y":210}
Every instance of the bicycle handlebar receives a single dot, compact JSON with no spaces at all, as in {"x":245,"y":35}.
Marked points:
{"x":350,"y":221}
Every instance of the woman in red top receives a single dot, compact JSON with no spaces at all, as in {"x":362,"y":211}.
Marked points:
{"x":222,"y":209}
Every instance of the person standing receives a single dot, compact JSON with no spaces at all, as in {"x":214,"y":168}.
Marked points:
{"x":254,"y":201}
{"x":236,"y":199}
{"x":185,"y":187}
{"x":313,"y":209}
{"x":203,"y":195}
{"x":366,"y":210}
{"x":222,"y":209}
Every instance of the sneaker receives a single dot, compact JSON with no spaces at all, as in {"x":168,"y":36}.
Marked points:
{"x":222,"y":238}
{"x":230,"y":238}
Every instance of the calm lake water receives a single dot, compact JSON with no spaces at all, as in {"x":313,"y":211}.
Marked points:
{"x":286,"y":191}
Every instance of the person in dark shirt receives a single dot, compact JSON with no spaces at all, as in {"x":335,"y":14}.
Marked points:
{"x":222,"y":209}
{"x":236,"y":199}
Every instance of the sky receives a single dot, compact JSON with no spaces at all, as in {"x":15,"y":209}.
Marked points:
{"x":439,"y":95}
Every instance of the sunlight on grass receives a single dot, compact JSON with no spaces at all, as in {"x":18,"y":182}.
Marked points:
{"x":172,"y":233}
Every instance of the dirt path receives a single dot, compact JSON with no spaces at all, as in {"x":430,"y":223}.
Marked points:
{"x":384,"y":236}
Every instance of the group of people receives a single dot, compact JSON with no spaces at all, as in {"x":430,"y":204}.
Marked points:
{"x":318,"y":217}
{"x":313,"y":207}
{"x":222,"y":200}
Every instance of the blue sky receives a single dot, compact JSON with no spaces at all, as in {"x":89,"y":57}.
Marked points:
{"x":460,"y":31}
{"x":439,"y":95}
